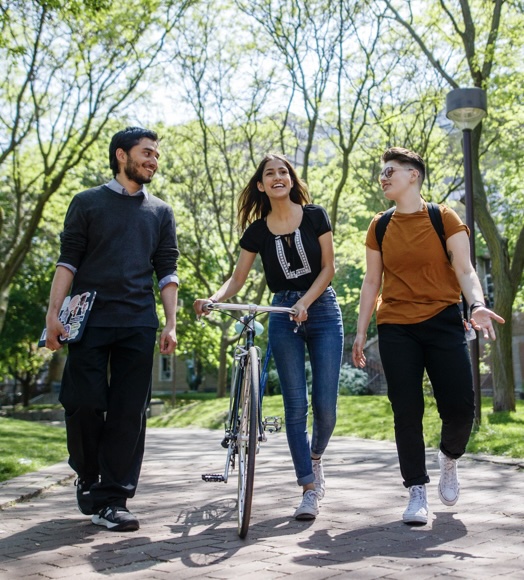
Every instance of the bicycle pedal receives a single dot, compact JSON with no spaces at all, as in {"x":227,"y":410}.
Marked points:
{"x":212,"y":477}
{"x":272,"y":424}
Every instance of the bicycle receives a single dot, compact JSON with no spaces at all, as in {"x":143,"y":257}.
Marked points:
{"x":245,"y":428}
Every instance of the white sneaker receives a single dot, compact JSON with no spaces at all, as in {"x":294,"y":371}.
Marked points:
{"x":308,"y":508}
{"x":448,"y":486}
{"x":417,"y":510}
{"x":320,"y":482}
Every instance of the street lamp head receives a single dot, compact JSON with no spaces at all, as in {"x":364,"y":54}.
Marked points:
{"x":466,"y":107}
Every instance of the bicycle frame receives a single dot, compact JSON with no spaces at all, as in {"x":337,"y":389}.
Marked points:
{"x":237,"y":379}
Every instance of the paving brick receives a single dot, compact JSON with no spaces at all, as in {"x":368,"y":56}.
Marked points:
{"x":189,"y":530}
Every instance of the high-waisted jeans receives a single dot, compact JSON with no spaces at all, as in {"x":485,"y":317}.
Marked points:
{"x":323,"y":335}
{"x":439,"y":346}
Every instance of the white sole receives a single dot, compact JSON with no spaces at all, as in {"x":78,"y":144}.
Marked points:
{"x":447,"y":501}
{"x":415,"y":520}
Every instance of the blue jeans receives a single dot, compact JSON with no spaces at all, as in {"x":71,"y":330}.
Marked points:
{"x":323,"y":335}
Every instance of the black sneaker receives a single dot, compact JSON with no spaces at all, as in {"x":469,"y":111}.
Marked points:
{"x":83,"y":496}
{"x":116,"y":519}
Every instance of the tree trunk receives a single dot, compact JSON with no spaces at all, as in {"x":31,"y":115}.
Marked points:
{"x":4,"y":302}
{"x":503,"y":378}
{"x":504,"y":289}
{"x":56,"y":368}
{"x":340,"y":186}
{"x":26,"y":392}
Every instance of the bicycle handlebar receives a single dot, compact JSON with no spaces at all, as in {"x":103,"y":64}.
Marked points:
{"x":251,"y":308}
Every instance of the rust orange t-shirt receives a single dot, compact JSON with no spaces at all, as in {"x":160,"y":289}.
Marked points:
{"x":418,"y":281}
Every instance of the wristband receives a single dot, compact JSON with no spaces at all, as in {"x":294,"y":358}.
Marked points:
{"x":475,"y":305}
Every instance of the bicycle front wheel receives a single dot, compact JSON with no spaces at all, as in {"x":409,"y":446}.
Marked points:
{"x":247,"y":441}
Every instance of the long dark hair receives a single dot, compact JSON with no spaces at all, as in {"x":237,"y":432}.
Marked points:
{"x":254,"y":204}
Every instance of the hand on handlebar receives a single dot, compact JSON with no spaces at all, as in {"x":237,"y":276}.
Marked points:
{"x":199,"y":305}
{"x":301,"y":313}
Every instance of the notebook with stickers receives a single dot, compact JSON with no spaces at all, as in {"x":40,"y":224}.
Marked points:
{"x":73,"y":315}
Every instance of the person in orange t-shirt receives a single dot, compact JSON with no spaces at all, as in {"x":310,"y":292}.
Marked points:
{"x":420,"y":326}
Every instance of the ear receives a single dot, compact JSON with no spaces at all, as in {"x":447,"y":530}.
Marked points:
{"x":120,"y":154}
{"x":260,"y":186}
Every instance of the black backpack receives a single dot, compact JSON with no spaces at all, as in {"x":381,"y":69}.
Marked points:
{"x":434,"y":216}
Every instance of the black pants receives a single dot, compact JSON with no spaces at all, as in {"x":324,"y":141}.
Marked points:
{"x":439,"y":346}
{"x":106,"y":388}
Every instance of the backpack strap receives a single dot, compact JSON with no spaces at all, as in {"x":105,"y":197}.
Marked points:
{"x":434,"y":215}
{"x":382,"y":224}
{"x":436,"y":219}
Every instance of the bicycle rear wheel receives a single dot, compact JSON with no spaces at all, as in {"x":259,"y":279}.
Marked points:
{"x":247,"y":441}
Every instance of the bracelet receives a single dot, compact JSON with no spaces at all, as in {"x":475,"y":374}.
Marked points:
{"x":475,"y":305}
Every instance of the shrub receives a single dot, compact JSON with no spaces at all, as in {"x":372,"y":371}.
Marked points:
{"x":352,"y":381}
{"x":273,"y":382}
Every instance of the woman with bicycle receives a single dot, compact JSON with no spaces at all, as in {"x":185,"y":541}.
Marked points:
{"x":295,"y":241}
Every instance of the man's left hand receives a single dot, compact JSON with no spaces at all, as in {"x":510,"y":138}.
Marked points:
{"x":168,"y":341}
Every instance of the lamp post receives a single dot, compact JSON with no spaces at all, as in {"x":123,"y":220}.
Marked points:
{"x":466,"y":108}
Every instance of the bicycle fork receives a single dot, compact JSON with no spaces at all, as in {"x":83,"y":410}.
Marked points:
{"x":231,"y":447}
{"x":271,"y":424}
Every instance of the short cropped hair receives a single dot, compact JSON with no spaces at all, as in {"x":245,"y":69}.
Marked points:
{"x":406,"y":157}
{"x":126,"y":140}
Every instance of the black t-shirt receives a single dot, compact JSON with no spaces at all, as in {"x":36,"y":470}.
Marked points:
{"x":292,"y":261}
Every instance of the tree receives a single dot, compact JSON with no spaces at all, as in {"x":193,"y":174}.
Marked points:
{"x":467,"y":43}
{"x":357,"y":80}
{"x":68,"y":68}
{"x":209,"y":161}
{"x":25,"y":319}
{"x":306,"y":36}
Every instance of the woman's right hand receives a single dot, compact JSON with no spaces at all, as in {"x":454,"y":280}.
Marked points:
{"x":359,"y":358}
{"x":301,"y":313}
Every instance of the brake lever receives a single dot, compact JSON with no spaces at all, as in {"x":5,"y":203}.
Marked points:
{"x":201,"y":317}
{"x":298,"y":324}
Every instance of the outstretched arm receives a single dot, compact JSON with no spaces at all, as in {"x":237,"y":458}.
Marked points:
{"x":458,"y":251}
{"x":231,"y":286}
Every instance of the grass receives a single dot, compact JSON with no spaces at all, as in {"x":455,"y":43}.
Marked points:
{"x":368,"y":417}
{"x":28,"y":446}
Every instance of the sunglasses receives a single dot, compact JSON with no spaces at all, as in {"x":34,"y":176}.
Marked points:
{"x":387,"y":173}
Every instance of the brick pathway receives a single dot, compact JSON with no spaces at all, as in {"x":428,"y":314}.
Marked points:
{"x":188,"y":527}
